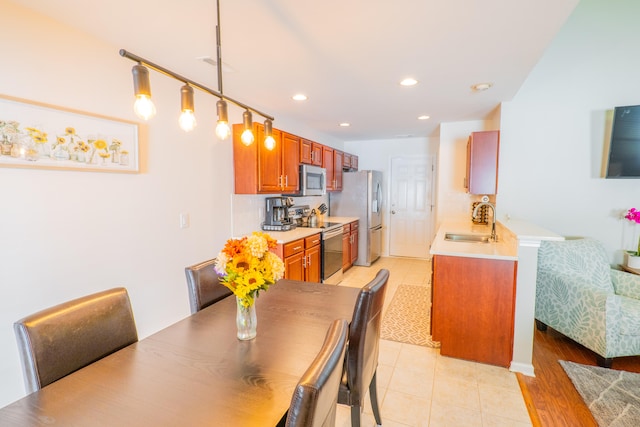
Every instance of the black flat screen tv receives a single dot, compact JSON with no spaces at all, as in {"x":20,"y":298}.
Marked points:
{"x":624,"y":146}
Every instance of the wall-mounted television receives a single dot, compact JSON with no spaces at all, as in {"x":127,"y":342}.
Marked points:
{"x":624,"y":146}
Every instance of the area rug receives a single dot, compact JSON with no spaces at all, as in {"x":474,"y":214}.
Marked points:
{"x":407,"y":318}
{"x":613,"y":397}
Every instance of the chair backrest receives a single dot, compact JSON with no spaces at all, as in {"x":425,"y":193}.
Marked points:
{"x":364,"y":336}
{"x":204,"y":286}
{"x":586,"y":258}
{"x":62,"y":339}
{"x":315,"y":397}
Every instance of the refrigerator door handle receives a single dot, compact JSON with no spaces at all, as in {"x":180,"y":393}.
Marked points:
{"x":379,"y":197}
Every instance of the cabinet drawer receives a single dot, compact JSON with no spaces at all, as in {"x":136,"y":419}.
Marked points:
{"x":312,"y":241}
{"x":294,"y":247}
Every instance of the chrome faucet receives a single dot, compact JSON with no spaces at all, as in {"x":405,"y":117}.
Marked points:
{"x":493,"y":237}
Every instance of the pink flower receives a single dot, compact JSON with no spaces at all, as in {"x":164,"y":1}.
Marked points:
{"x":633,"y":215}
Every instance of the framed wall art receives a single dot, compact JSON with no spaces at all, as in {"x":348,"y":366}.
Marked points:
{"x":36,"y":135}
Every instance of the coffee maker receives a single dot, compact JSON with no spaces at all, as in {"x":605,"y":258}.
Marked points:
{"x":276,"y":217}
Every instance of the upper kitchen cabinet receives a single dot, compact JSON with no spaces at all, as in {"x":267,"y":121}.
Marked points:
{"x":350,"y":163}
{"x":310,"y":152}
{"x":258,"y":170}
{"x":482,"y":162}
{"x":332,"y":162}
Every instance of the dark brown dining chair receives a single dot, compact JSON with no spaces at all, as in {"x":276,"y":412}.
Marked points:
{"x":315,"y":398}
{"x":361,"y":360}
{"x":62,"y":339}
{"x":204,"y":287}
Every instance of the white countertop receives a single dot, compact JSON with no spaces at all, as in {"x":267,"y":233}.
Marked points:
{"x":302,"y":232}
{"x":505,"y":248}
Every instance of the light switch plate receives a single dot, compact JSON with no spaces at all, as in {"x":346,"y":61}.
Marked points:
{"x":185,"y":220}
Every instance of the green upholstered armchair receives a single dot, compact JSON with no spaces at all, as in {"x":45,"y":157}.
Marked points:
{"x":579,"y":295}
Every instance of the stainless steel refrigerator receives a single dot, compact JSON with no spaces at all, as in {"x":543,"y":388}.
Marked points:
{"x":361,"y":197}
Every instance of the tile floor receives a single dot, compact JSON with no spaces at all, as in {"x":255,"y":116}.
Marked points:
{"x":419,"y":387}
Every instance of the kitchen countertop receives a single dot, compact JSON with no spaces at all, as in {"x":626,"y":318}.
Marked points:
{"x":302,"y":232}
{"x":505,"y":248}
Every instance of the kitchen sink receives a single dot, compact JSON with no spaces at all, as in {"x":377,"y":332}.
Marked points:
{"x":467,"y":238}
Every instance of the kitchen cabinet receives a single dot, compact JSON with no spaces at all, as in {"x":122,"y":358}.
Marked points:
{"x":258,"y":170}
{"x":350,"y":162}
{"x":354,"y":234}
{"x":473,"y":308}
{"x":310,"y":152}
{"x":482,"y":162}
{"x":349,"y":244}
{"x":332,"y":162}
{"x":301,"y":258}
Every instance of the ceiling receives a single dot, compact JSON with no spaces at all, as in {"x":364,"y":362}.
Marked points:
{"x":347,"y":56}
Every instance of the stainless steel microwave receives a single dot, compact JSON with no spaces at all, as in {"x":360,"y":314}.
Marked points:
{"x":313,"y":181}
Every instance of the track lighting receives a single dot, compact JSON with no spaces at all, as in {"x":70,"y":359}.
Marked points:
{"x":143,"y":105}
{"x":222,"y":129}
{"x":187,"y":119}
{"x":269,"y":142}
{"x":247,"y":137}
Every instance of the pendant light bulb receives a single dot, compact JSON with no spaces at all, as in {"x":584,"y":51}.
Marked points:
{"x":269,"y":142}
{"x":187,"y":119}
{"x":222,"y":129}
{"x":143,"y":106}
{"x":247,"y":137}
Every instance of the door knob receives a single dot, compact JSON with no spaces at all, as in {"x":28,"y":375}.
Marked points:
{"x":393,"y":212}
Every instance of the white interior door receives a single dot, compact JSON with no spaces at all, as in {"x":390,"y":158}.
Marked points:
{"x":411,"y":210}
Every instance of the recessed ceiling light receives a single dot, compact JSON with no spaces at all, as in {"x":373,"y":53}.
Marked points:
{"x":345,"y":124}
{"x":299,"y":97}
{"x":423,"y":117}
{"x":409,"y":81}
{"x":479,"y":87}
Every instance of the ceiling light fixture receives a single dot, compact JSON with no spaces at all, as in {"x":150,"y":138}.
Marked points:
{"x":247,"y":135}
{"x":187,"y":119}
{"x":409,"y":81}
{"x":145,"y":109}
{"x":423,"y":117}
{"x":299,"y":97}
{"x":143,"y":106}
{"x":479,"y":87}
{"x":269,"y":142}
{"x":345,"y":124}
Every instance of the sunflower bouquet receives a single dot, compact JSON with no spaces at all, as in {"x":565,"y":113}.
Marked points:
{"x":247,"y":266}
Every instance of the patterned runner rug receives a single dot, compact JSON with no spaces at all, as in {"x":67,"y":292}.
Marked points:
{"x":407,"y":318}
{"x":613,"y":397}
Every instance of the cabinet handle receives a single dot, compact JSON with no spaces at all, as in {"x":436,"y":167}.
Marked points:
{"x":297,"y":247}
{"x":309,"y":262}
{"x":315,"y":242}
{"x":304,"y":262}
{"x":286,"y":180}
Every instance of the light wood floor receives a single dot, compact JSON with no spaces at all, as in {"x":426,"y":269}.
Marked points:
{"x":550,"y":396}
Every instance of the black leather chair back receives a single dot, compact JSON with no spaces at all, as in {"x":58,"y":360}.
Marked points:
{"x":62,"y":339}
{"x":362,"y":352}
{"x":204,"y":286}
{"x":315,"y":397}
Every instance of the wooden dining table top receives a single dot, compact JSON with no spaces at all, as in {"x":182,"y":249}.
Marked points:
{"x":196,"y":372}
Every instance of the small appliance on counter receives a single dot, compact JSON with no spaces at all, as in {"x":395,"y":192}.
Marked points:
{"x":276,"y":216}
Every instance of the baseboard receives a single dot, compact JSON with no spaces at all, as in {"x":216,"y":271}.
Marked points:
{"x":523,"y":368}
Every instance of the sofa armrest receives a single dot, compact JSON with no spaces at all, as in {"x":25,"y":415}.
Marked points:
{"x":626,"y":284}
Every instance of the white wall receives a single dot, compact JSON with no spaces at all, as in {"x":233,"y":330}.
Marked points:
{"x":377,"y":155}
{"x":553,"y":131}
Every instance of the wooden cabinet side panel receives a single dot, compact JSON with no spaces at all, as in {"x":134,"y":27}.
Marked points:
{"x":473,"y":308}
{"x":483,"y":169}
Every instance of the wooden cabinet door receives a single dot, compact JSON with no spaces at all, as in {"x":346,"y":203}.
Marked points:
{"x":269,"y":163}
{"x":293,"y":268}
{"x":312,"y":270}
{"x":327,"y":163}
{"x":482,"y":162}
{"x":354,"y":244}
{"x":337,"y":169}
{"x":346,"y":250}
{"x":316,"y":154}
{"x":354,"y":162}
{"x":290,"y":162}
{"x":305,"y":151}
{"x":473,"y":313}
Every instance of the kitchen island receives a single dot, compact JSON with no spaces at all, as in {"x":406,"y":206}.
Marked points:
{"x":484,"y":293}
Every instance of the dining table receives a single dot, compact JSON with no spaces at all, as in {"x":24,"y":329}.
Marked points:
{"x":196,"y":372}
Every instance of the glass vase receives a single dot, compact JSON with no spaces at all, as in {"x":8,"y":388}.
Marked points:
{"x":246,"y":320}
